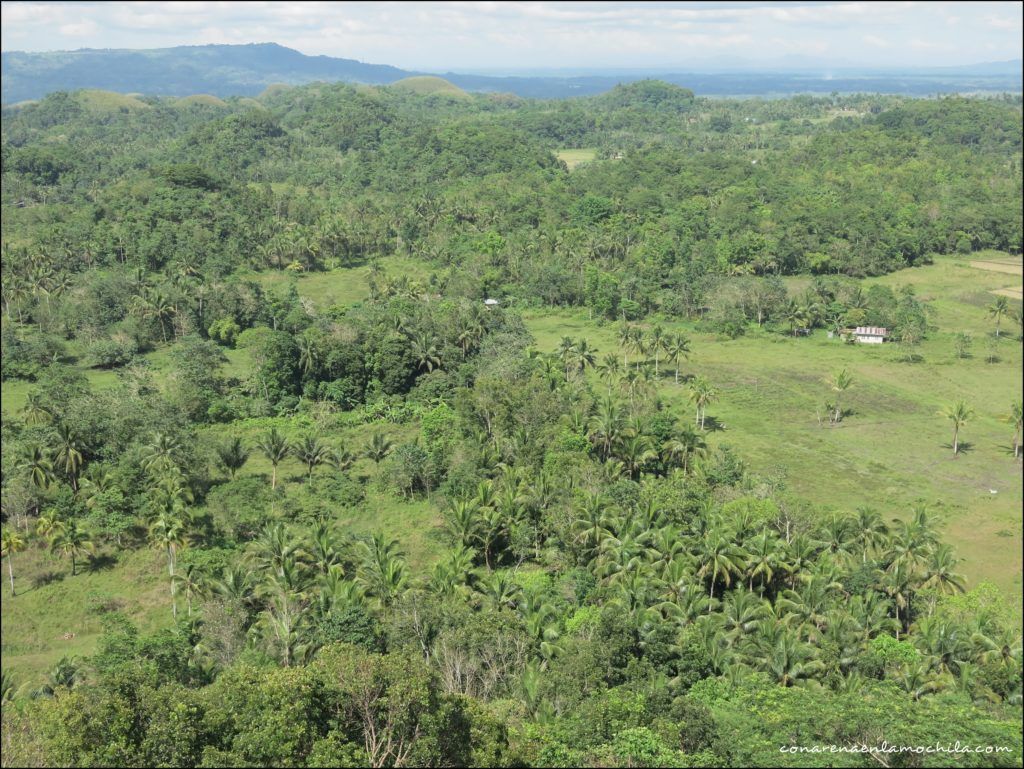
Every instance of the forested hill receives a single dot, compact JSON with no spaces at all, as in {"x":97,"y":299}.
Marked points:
{"x":223,"y":70}
{"x":245,"y":70}
{"x":280,"y":488}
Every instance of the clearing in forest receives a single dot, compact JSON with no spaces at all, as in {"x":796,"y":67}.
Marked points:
{"x":893,"y":450}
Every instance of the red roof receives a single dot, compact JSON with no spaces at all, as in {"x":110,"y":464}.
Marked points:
{"x":871,"y":331}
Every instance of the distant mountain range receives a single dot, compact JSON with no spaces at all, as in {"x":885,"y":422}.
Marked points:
{"x":245,"y":70}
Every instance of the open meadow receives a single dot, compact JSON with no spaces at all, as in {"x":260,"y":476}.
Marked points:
{"x":894,"y":450}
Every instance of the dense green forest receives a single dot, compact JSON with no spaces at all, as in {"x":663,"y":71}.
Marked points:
{"x":384,"y":526}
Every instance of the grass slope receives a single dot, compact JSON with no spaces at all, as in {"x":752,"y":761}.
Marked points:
{"x":108,"y":101}
{"x":430,"y":85}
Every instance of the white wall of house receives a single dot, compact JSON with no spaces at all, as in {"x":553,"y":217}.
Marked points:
{"x":870,"y":339}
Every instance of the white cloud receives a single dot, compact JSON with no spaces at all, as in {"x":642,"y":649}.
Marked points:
{"x":477,"y":35}
{"x":78,"y":29}
{"x":1003,"y":22}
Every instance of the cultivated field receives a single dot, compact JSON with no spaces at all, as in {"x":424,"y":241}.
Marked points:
{"x":1008,"y":266}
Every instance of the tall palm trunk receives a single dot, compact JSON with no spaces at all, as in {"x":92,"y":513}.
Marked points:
{"x":170,"y":570}
{"x":10,"y":570}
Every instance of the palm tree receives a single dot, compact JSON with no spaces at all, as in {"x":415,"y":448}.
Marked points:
{"x":765,"y":560}
{"x":274,"y":549}
{"x":68,"y":455}
{"x":625,"y":336}
{"x":796,"y":315}
{"x":791,"y":661}
{"x":998,"y":309}
{"x":720,"y":557}
{"x":895,"y":582}
{"x":592,"y":523}
{"x":958,"y":413}
{"x":285,"y":624}
{"x":606,"y":427}
{"x":1016,"y":418}
{"x":840,"y":382}
{"x":566,"y":352}
{"x":939,"y":571}
{"x":872,"y":533}
{"x":35,"y":410}
{"x":656,"y":339}
{"x":382,"y":570}
{"x":163,"y":452}
{"x":66,"y":674}
{"x":234,"y":585}
{"x":312,"y":453}
{"x":232,"y":455}
{"x":635,"y":452}
{"x":463,"y":521}
{"x":425,"y":353}
{"x":71,"y":541}
{"x":639,"y":343}
{"x":610,"y":369}
{"x":584,"y":356}
{"x":155,"y":305}
{"x":378,"y":448}
{"x":701,"y":394}
{"x":500,"y":590}
{"x":322,"y":550}
{"x":10,"y":543}
{"x":49,"y":523}
{"x":275,"y":448}
{"x":742,"y":613}
{"x":309,"y":355}
{"x":36,"y":462}
{"x":168,"y":533}
{"x":190,"y":582}
{"x":680,"y":449}
{"x":676,"y":346}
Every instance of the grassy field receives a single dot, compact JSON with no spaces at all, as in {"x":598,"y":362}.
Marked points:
{"x":895,"y":448}
{"x":890,"y":452}
{"x":1008,"y":266}
{"x":573,"y":158}
{"x":342,"y":286}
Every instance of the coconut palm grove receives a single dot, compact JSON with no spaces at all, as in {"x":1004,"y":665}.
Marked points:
{"x":400,"y":425}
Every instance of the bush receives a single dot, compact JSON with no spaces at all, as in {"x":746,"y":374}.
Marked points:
{"x":108,"y":353}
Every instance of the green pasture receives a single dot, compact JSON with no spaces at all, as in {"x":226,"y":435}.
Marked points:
{"x":894,"y":450}
{"x":574,"y":157}
{"x":341,"y":286}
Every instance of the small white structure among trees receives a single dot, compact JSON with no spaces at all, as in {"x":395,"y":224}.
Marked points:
{"x":870,"y":334}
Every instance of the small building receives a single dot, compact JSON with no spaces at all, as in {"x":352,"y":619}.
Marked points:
{"x":491,"y":302}
{"x":870,"y":334}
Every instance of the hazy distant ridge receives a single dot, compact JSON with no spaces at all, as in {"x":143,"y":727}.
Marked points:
{"x":245,"y":70}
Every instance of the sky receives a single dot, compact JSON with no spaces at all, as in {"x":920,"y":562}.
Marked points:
{"x":520,"y":36}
